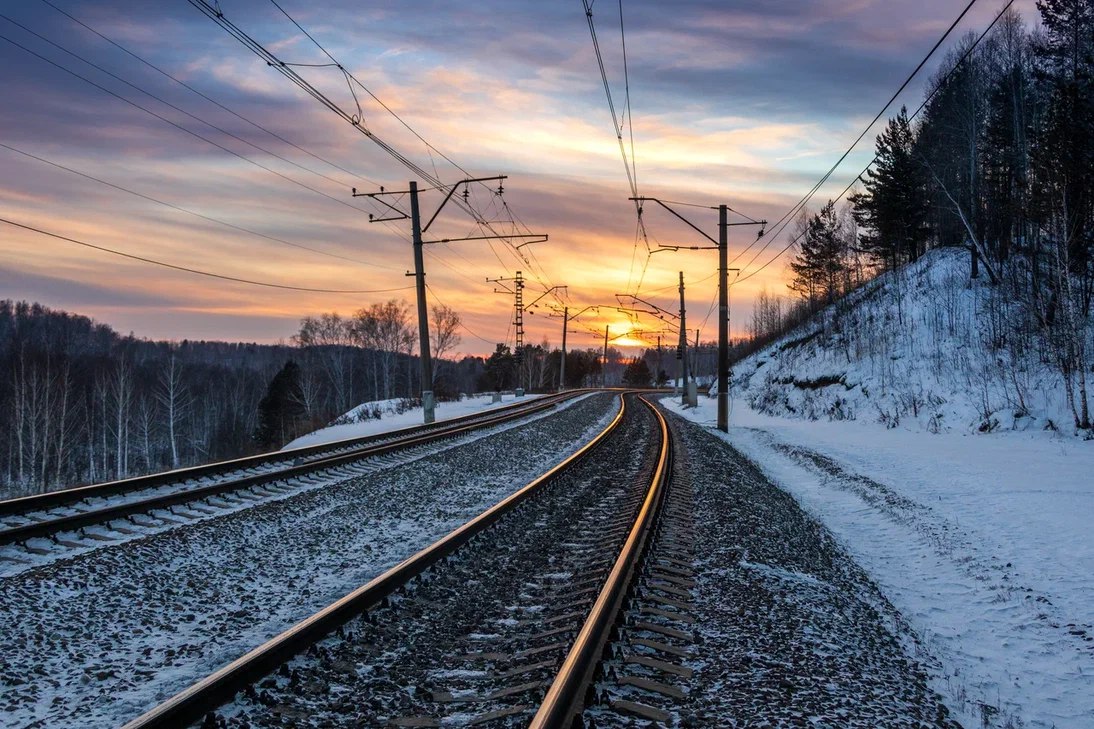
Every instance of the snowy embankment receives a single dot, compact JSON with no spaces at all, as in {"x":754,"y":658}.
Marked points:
{"x":938,"y":470}
{"x":383,"y":416}
{"x":920,"y":349}
{"x":982,"y":542}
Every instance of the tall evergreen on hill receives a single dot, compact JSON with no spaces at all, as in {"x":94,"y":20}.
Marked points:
{"x":1065,"y":153}
{"x":893,"y":208}
{"x":820,"y":264}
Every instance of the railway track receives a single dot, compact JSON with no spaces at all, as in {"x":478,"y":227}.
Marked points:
{"x":179,"y":496}
{"x":502,"y":622}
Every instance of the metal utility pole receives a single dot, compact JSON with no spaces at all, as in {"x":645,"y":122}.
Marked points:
{"x":604,"y":369}
{"x":425,"y":355}
{"x":695,"y":359}
{"x":518,"y":315}
{"x":562,"y":362}
{"x":657,"y":375}
{"x":682,"y":354}
{"x":722,"y":246}
{"x":518,"y":320}
{"x":417,"y":230}
{"x":519,"y":308}
{"x":723,"y":318}
{"x":566,"y":319}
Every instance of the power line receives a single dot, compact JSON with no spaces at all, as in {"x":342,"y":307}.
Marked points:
{"x":211,"y":100}
{"x":788,"y":215}
{"x":629,"y":163}
{"x":225,"y":108}
{"x":616,"y":126}
{"x":168,"y":104}
{"x":922,"y":106}
{"x":192,"y":212}
{"x":216,"y":15}
{"x":176,"y":125}
{"x":196,"y":271}
{"x":462,"y":325}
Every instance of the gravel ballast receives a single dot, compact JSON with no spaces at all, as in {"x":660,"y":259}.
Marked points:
{"x":789,"y":631}
{"x":93,"y":640}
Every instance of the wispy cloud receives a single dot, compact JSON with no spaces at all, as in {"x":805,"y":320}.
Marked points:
{"x":733,"y":102}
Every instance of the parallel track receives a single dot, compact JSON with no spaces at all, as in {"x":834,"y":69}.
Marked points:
{"x":565,"y":700}
{"x":231,"y":476}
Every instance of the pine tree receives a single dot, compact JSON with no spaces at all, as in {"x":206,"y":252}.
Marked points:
{"x":281,"y":410}
{"x":893,"y":208}
{"x":819,"y":264}
{"x":637,"y":373}
{"x":500,"y":370}
{"x":1005,"y":156}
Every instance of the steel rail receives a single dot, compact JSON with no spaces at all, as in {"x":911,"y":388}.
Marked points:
{"x":66,"y":497}
{"x":567,"y":697}
{"x":70,"y":522}
{"x":207,"y":695}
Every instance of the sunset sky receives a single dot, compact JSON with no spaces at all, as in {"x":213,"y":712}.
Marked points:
{"x":738,"y":102}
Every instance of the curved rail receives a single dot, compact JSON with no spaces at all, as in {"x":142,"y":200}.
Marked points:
{"x":405,"y":438}
{"x":52,"y":499}
{"x":212,"y":692}
{"x":566,"y":698}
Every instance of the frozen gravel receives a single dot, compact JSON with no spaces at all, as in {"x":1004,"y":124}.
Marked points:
{"x":788,"y":631}
{"x":95,"y":639}
{"x":478,"y":638}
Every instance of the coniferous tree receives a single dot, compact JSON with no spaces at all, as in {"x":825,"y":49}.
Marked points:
{"x":637,"y":373}
{"x":820,"y":262}
{"x":893,"y":208}
{"x":281,"y":410}
{"x":1005,"y":157}
{"x":500,"y":370}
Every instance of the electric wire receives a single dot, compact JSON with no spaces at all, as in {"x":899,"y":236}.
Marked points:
{"x":176,"y":125}
{"x":783,"y":221}
{"x":462,"y":325}
{"x":431,"y":149}
{"x":168,"y":104}
{"x":211,"y":100}
{"x":629,"y":163}
{"x":196,"y":271}
{"x":916,"y":113}
{"x":214,"y":13}
{"x":196,"y":214}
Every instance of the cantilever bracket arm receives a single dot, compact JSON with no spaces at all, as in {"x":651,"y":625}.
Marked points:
{"x":544,"y":294}
{"x":540,"y":239}
{"x":483,"y":237}
{"x":452,"y":191}
{"x":690,"y":224}
{"x":377,"y":196}
{"x":650,"y":304}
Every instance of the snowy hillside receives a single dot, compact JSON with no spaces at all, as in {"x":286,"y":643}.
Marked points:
{"x":921,"y":349}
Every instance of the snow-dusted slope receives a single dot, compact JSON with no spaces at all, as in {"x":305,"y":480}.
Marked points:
{"x":916,"y":349}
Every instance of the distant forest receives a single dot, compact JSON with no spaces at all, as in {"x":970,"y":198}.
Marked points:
{"x":85,"y":404}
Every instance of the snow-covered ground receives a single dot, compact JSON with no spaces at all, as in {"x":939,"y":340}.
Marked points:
{"x":984,"y":542}
{"x":358,"y":423}
{"x":922,"y":348}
